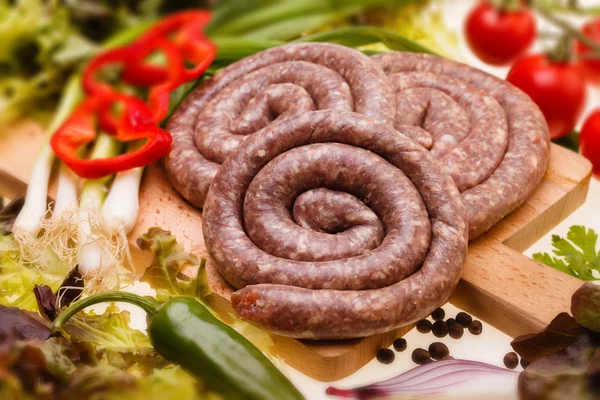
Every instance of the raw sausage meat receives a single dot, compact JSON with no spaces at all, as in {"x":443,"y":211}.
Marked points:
{"x":272,"y":85}
{"x":489,"y":136}
{"x":333,"y":225}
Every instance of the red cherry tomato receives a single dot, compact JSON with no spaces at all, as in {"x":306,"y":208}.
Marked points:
{"x":589,"y":140}
{"x":591,"y":30}
{"x":498,"y":36}
{"x":558,"y":88}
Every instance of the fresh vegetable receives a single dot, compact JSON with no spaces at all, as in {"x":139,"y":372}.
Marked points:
{"x":184,"y":31}
{"x":500,"y":34}
{"x":36,"y":364}
{"x":136,"y":122}
{"x":558,"y":335}
{"x":589,"y":140}
{"x":564,"y":357}
{"x":585,"y":306}
{"x":557,"y":87}
{"x":447,"y":376}
{"x":29,"y":221}
{"x":185,"y":332}
{"x":18,"y":280}
{"x":589,"y":58}
{"x":165,"y":274}
{"x":576,"y":254}
{"x":45,"y":42}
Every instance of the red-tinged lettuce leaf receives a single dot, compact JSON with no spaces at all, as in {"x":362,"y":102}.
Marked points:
{"x":563,"y":375}
{"x":560,"y":334}
{"x":49,"y":302}
{"x":165,"y":274}
{"x":17,"y":324}
{"x":585,"y":306}
{"x":46,"y":301}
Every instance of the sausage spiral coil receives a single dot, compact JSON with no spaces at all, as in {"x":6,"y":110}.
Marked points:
{"x":333,"y":225}
{"x":489,"y":136}
{"x":272,"y":85}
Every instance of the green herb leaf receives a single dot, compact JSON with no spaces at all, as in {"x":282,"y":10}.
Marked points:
{"x":576,"y":254}
{"x":561,"y":333}
{"x":585,"y":306}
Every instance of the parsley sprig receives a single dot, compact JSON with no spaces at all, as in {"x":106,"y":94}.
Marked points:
{"x":576,"y":254}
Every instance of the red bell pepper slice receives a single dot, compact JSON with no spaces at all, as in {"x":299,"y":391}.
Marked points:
{"x":158,"y":96}
{"x":185,"y":31}
{"x":135,"y":123}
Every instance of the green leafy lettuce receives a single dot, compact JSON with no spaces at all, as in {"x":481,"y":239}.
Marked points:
{"x":576,"y":254}
{"x":166,"y":273}
{"x":17,"y":280}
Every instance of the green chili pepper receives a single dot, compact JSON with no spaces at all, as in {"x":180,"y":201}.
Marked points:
{"x":185,"y":332}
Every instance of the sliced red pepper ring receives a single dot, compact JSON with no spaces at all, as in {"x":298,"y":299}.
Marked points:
{"x":185,"y":31}
{"x":135,"y":123}
{"x":158,"y":97}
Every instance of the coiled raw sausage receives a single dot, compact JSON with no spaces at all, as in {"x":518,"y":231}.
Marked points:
{"x":271,"y":85}
{"x":491,"y":138}
{"x":333,"y":226}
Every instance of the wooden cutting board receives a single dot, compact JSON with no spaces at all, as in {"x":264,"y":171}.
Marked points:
{"x":499,"y":285}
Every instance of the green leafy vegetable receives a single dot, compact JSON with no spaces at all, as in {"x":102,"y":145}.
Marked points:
{"x":365,"y":35}
{"x":17,"y":280}
{"x":576,"y":254}
{"x":563,"y":375}
{"x":585,"y":306}
{"x":561,"y":333}
{"x":109,"y":330}
{"x":165,"y":275}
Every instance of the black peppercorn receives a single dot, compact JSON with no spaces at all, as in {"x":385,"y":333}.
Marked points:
{"x":438,"y":350}
{"x":450,"y":321}
{"x":439,"y":329}
{"x":424,"y":326}
{"x":448,"y":357}
{"x":385,"y":356}
{"x":400,"y":344}
{"x":464,"y":319}
{"x":524,"y":363}
{"x":511,"y":360}
{"x":455,"y":331}
{"x":421,"y":356}
{"x":438,"y":314}
{"x":475,"y":327}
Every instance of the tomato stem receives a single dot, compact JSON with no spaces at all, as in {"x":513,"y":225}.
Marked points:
{"x":569,"y":29}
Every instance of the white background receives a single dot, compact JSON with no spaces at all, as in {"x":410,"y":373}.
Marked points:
{"x":492,"y":345}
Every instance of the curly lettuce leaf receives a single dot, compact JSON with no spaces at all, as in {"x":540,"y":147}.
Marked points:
{"x":165,"y":274}
{"x":109,"y":330}
{"x":576,"y":254}
{"x":17,"y":280}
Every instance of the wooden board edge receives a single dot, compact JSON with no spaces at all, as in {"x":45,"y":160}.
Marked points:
{"x":537,"y":227}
